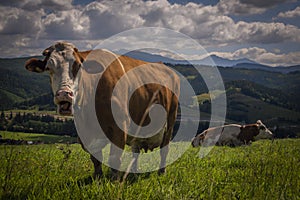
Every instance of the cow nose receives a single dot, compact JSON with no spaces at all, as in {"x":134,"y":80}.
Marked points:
{"x":64,"y":93}
{"x":193,"y":140}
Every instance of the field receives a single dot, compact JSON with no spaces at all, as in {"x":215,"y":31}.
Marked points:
{"x":264,"y":170}
{"x":45,"y":138}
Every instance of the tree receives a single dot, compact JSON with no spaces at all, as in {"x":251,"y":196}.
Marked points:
{"x":2,"y":117}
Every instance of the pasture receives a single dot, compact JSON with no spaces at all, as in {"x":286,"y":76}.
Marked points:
{"x":264,"y":170}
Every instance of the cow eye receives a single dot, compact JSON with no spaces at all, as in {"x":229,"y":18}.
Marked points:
{"x":63,"y":53}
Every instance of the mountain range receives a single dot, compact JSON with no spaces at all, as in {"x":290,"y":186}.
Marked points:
{"x":212,"y":60}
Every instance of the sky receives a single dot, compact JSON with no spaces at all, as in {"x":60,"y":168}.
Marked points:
{"x":265,"y":31}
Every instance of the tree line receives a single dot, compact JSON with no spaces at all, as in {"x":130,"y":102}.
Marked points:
{"x":37,"y":123}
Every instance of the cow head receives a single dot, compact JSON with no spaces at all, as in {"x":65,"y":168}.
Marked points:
{"x":62,"y":61}
{"x":198,"y":139}
{"x":264,"y":132}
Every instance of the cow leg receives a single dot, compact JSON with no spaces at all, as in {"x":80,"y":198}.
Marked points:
{"x":135,"y":155}
{"x":97,"y":166}
{"x":163,"y":157}
{"x":115,"y":161}
{"x":116,"y":151}
{"x":164,"y":148}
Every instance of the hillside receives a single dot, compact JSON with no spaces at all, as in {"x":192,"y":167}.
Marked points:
{"x":17,"y":84}
{"x":251,"y":93}
{"x":212,"y":60}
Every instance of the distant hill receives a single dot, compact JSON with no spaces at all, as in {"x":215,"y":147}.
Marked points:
{"x":253,"y":91}
{"x":212,"y":60}
{"x":149,"y":57}
{"x":17,"y":84}
{"x":218,"y":61}
{"x":267,"y":68}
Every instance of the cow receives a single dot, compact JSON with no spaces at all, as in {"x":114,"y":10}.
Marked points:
{"x":232,"y":135}
{"x":63,"y":62}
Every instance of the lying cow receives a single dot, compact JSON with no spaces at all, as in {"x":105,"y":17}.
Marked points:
{"x":232,"y":135}
{"x":63,"y":61}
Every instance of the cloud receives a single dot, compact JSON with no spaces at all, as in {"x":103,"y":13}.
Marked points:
{"x":99,"y":20}
{"x":266,"y":33}
{"x":237,"y":7}
{"x":65,"y":25}
{"x":33,"y":5}
{"x":247,"y":7}
{"x":290,"y":14}
{"x":38,"y":23}
{"x":263,"y":56}
{"x":19,"y":21}
{"x":264,"y":3}
{"x":110,"y":17}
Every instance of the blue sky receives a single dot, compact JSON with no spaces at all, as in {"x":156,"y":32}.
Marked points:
{"x":266,"y":31}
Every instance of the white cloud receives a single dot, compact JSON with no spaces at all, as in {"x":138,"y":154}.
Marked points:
{"x":18,"y":21}
{"x":258,"y":32}
{"x":291,"y":13}
{"x":238,"y":7}
{"x":247,"y":7}
{"x":65,"y":25}
{"x":99,"y":20}
{"x":263,"y":56}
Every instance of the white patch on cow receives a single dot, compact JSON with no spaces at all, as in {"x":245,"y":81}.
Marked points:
{"x":229,"y":136}
{"x":223,"y":135}
{"x":59,"y":65}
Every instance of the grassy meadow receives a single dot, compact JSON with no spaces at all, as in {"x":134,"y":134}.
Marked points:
{"x":45,"y":138}
{"x":264,"y":170}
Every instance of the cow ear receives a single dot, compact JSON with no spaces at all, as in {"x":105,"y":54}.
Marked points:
{"x":35,"y":65}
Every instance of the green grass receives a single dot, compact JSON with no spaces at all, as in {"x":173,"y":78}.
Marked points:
{"x":264,"y":170}
{"x":45,"y":138}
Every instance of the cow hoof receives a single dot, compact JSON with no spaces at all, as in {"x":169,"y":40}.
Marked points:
{"x":114,"y":175}
{"x":97,"y":175}
{"x":161,"y":171}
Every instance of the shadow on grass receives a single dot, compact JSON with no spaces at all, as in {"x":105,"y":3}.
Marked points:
{"x":12,"y":194}
{"x":130,"y":179}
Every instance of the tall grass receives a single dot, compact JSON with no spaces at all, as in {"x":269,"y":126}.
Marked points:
{"x":263,"y":170}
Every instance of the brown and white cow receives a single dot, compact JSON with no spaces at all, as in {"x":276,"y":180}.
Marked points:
{"x":232,"y":135}
{"x":63,"y":61}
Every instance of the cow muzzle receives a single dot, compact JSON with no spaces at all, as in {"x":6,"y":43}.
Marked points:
{"x":194,"y":142}
{"x":63,"y":100}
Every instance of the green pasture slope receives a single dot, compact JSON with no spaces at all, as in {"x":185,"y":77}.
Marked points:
{"x":264,"y":170}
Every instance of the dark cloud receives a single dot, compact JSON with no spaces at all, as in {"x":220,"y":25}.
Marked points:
{"x":29,"y":25}
{"x":33,"y":5}
{"x":109,"y":18}
{"x":18,"y":21}
{"x":264,"y":3}
{"x":65,"y":25}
